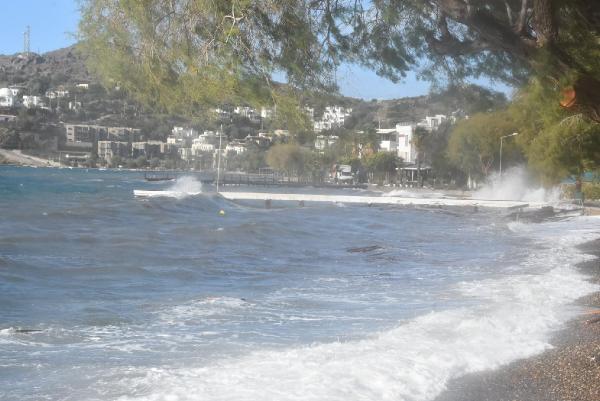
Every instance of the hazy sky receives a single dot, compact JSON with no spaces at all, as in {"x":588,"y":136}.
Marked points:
{"x":54,"y":22}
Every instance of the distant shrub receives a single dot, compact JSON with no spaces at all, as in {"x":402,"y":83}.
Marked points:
{"x":591,"y":191}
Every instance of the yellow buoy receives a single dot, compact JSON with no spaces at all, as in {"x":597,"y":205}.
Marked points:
{"x":221,"y":212}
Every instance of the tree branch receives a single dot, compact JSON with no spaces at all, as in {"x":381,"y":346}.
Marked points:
{"x":522,"y":20}
{"x":509,"y":13}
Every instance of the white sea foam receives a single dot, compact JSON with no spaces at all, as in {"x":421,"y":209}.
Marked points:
{"x":513,"y":318}
{"x":516,"y":184}
{"x":186,"y":185}
{"x":402,"y":193}
{"x":198,"y":309}
{"x":181,"y":188}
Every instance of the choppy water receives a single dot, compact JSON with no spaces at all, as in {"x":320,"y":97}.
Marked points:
{"x":163,"y":299}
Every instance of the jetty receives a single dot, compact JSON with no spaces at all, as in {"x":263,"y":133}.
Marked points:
{"x":268,"y":198}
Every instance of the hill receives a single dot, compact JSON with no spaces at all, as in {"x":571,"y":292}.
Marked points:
{"x":67,"y":67}
{"x":38,"y":72}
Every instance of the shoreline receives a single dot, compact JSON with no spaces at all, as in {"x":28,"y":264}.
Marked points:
{"x":570,"y":371}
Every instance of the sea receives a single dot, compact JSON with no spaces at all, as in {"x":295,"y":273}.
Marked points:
{"x":108,"y":296}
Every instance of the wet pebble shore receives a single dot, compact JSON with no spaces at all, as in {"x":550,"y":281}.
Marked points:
{"x":568,"y":372}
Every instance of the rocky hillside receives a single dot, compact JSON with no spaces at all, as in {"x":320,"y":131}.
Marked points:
{"x":39,"y":71}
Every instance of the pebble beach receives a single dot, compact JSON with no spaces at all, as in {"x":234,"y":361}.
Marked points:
{"x":570,"y":371}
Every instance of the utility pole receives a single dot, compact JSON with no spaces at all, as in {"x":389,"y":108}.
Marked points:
{"x":501,"y":138}
{"x":219,"y":158}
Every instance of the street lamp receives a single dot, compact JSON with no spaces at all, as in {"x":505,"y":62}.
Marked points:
{"x":501,"y":138}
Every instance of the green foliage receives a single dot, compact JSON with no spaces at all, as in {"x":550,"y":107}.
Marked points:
{"x":556,"y":143}
{"x":291,"y":158}
{"x":591,"y":191}
{"x":9,"y":138}
{"x":474,"y":144}
{"x":249,"y":161}
{"x":116,"y":161}
{"x":383,"y":162}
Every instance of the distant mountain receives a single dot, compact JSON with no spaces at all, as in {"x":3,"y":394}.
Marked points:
{"x":58,"y":67}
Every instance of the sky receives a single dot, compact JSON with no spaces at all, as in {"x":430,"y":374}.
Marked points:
{"x":54,"y":23}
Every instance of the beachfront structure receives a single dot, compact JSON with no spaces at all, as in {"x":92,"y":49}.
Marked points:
{"x":84,"y":135}
{"x":399,"y":140}
{"x":323,"y":142}
{"x":149,"y":149}
{"x":406,"y":148}
{"x":388,"y":139}
{"x":109,"y":149}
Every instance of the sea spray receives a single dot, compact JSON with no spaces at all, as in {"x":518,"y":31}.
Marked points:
{"x":518,"y":185}
{"x":186,"y":186}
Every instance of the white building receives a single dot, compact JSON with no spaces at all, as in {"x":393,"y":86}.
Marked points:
{"x":185,"y":153}
{"x":173,"y":141}
{"x":406,"y":149}
{"x":388,"y":139}
{"x":15,"y":90}
{"x":235,"y":147}
{"x":267,"y":113}
{"x":399,"y":140}
{"x":323,"y":142}
{"x":281,"y":133}
{"x":184,"y":133}
{"x":74,"y":106}
{"x":248,"y":112}
{"x":109,"y":149}
{"x":310,"y":113}
{"x":431,"y":123}
{"x":202,"y":145}
{"x":33,"y":102}
{"x":57,"y":93}
{"x":333,"y":117}
{"x":7,"y":98}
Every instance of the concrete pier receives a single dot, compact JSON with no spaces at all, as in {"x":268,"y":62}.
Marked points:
{"x":379,"y":200}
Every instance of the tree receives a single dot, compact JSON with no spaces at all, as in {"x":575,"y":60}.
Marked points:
{"x":179,"y":54}
{"x":116,"y":161}
{"x":555,"y":142}
{"x":249,"y":161}
{"x":474,"y":144}
{"x":382,"y":165}
{"x":291,"y":158}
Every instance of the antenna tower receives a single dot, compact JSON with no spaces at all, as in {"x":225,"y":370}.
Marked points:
{"x":27,"y":40}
